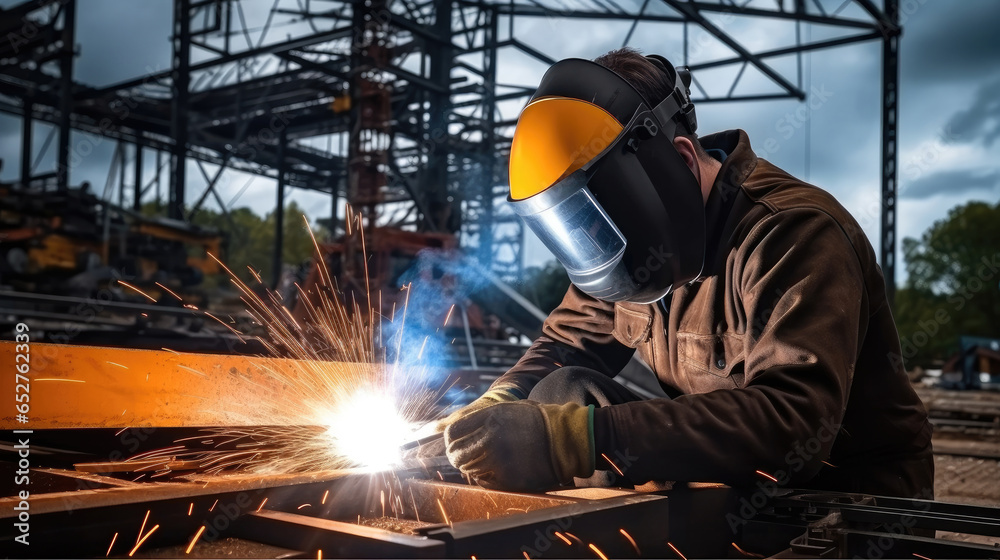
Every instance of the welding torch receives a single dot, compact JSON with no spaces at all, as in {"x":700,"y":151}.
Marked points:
{"x":421,"y":441}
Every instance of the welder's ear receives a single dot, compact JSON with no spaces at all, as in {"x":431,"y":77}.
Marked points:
{"x":686,"y":149}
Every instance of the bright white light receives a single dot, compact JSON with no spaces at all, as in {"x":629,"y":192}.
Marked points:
{"x":368,"y":430}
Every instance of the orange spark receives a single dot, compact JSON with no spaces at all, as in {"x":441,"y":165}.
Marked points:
{"x":631,"y":540}
{"x":57,"y":379}
{"x":304,"y":505}
{"x":319,"y":554}
{"x":613,"y":465}
{"x":144,"y":294}
{"x":169,"y":291}
{"x":574,"y":537}
{"x":261,"y":506}
{"x":745,"y":553}
{"x":238,"y":334}
{"x":563,"y":538}
{"x":143,"y":528}
{"x":444,"y":513}
{"x":213,"y":505}
{"x":829,"y":464}
{"x":255,"y":275}
{"x":325,"y":494}
{"x":448,"y":316}
{"x":919,"y":556}
{"x":674,"y":548}
{"x":195,"y":539}
{"x":143,"y":539}
{"x":112,"y":545}
{"x":767,"y":476}
{"x":190,"y":509}
{"x":121,"y":430}
{"x":525,"y":553}
{"x":119,"y":365}
{"x":192,"y":370}
{"x":598,"y":551}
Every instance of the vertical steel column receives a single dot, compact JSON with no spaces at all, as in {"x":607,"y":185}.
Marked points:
{"x":181,"y":78}
{"x":26,"y":141}
{"x":436,"y":178}
{"x":890,"y":99}
{"x":121,"y":173}
{"x":68,"y":39}
{"x":279,"y":216}
{"x":137,"y":177}
{"x":159,"y":176}
{"x":488,"y":155}
{"x":351,"y":176}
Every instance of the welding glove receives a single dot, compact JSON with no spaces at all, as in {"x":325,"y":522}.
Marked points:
{"x":494,"y":395}
{"x":523,"y":445}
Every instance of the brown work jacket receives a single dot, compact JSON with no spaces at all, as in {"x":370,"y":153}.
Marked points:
{"x":783,"y":358}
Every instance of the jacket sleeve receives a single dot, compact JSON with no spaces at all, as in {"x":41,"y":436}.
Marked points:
{"x":801,"y":287}
{"x":576,"y":333}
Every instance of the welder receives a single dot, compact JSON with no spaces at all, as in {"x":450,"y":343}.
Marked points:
{"x":754,"y":297}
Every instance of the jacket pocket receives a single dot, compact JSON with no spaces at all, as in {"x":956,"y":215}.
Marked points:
{"x":632,"y":325}
{"x":718,"y":354}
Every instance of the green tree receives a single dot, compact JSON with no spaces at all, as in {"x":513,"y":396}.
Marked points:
{"x":545,"y":285}
{"x":249,"y":239}
{"x":953,"y":284}
{"x":298,"y":245}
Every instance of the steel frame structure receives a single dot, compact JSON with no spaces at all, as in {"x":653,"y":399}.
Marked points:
{"x":290,"y":108}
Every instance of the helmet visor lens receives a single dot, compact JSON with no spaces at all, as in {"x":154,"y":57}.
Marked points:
{"x":577,"y":231}
{"x":556,"y":136}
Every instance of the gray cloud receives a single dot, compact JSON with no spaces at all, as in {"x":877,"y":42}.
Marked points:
{"x":951,"y":183}
{"x":981,"y":120}
{"x":949,"y":40}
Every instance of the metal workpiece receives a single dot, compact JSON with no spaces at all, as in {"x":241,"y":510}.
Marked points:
{"x":570,"y":530}
{"x":95,"y":387}
{"x":413,"y":513}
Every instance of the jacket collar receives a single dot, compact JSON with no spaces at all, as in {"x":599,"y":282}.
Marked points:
{"x":727,"y":202}
{"x":740,"y":161}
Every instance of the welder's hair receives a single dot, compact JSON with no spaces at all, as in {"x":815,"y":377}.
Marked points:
{"x":652,"y":83}
{"x":641,"y":73}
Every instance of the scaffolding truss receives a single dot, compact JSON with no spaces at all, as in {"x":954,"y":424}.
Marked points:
{"x":394,"y":106}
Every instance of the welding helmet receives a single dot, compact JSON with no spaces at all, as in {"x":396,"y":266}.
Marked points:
{"x":595,"y":175}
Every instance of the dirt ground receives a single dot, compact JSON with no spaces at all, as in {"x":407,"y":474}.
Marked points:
{"x":967,"y":480}
{"x":967,"y":458}
{"x":964,"y":477}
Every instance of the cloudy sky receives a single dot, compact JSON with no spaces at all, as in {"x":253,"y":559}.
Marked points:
{"x":949,"y":107}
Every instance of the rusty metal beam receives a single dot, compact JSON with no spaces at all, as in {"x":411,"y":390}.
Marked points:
{"x":466,"y":502}
{"x":95,"y":387}
{"x":336,"y":539}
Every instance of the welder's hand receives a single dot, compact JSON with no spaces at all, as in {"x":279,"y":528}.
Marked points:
{"x":523,"y":445}
{"x":489,"y":398}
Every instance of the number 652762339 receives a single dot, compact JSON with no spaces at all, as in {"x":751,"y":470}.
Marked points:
{"x":22,"y":363}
